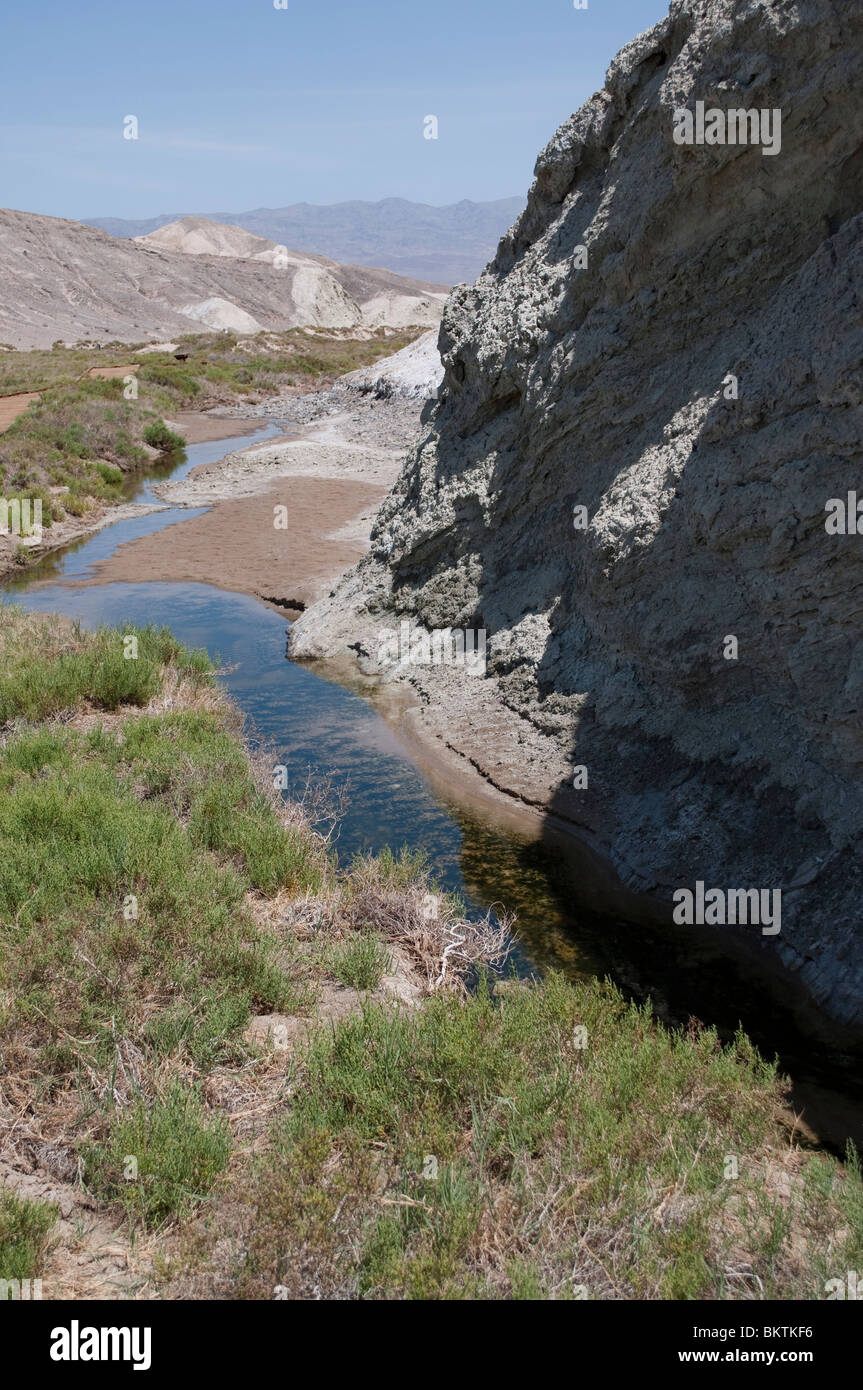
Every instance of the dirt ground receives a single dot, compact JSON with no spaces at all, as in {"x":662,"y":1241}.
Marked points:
{"x":235,"y":544}
{"x":13,"y":406}
{"x":198,"y":427}
{"x":331,"y":479}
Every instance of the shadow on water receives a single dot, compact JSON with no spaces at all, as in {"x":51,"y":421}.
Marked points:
{"x":564,"y":923}
{"x":569,"y":917}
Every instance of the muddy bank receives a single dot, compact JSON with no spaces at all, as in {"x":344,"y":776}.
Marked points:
{"x":235,"y":544}
{"x":284,"y":518}
{"x":200,"y":427}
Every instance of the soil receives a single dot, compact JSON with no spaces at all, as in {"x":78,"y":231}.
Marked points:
{"x":331,"y":479}
{"x":235,"y":544}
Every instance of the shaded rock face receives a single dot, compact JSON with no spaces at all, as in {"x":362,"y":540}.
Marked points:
{"x":696,"y":388}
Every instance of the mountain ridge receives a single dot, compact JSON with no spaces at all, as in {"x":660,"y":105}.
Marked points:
{"x":66,"y":280}
{"x":446,"y":244}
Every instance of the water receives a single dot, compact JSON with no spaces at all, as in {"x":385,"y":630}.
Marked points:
{"x":316,"y":727}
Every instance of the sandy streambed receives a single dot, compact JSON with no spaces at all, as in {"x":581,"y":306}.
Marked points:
{"x":284,"y":519}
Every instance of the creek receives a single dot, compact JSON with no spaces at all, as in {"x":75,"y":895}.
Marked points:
{"x":316,"y":726}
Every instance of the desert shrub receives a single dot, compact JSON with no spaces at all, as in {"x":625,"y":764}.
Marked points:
{"x":158,"y":436}
{"x":24,"y":1230}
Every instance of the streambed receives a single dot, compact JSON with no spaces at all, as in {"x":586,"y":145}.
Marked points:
{"x":316,"y":726}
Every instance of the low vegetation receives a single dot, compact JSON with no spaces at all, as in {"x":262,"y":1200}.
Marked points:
{"x":24,"y":1229}
{"x":222,"y":359}
{"x":75,"y":447}
{"x":491,"y":1148}
{"x":281,"y":1076}
{"x":158,"y":436}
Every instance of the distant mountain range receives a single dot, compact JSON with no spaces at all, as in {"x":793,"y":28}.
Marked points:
{"x":444,"y":245}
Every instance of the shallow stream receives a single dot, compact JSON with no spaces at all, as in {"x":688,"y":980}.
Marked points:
{"x":314,"y":725}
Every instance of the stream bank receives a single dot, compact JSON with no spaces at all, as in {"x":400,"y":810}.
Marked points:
{"x":403,"y":789}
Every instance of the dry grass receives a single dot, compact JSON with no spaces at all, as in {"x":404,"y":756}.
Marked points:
{"x":445,"y":946}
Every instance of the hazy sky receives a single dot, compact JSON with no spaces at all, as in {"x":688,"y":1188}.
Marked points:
{"x":241,"y":105}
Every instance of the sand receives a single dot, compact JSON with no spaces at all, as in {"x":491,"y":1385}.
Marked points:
{"x":331,"y":479}
{"x":235,"y":544}
{"x":198,"y":427}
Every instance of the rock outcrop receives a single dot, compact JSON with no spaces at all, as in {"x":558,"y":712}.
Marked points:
{"x":414,"y":372}
{"x":669,"y":338}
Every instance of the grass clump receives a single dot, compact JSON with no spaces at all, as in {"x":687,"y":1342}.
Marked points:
{"x":24,"y":1229}
{"x":360,"y":962}
{"x":158,"y":436}
{"x":160,"y":1160}
{"x":45,"y":669}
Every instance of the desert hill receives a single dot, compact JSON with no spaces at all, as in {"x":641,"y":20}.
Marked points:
{"x":446,"y":245}
{"x":65,"y":280}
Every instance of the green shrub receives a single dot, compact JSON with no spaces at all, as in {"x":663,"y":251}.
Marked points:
{"x":76,"y":505}
{"x":360,"y":962}
{"x":108,"y":473}
{"x":158,"y":436}
{"x":160,"y":1161}
{"x":24,"y":1229}
{"x":181,"y":383}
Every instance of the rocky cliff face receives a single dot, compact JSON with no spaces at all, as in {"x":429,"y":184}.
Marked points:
{"x":670,"y":339}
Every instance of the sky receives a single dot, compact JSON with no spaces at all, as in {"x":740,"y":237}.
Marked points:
{"x":242,"y":105}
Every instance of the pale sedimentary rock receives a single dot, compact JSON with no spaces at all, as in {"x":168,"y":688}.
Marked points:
{"x":651,"y":396}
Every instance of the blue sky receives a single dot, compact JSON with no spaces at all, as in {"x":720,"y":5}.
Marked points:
{"x":241,"y":105}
